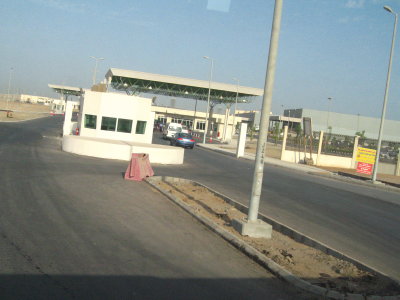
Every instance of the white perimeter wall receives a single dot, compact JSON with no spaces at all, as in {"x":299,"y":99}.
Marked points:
{"x":121,"y":150}
{"x":117,"y":106}
{"x":322,"y":160}
{"x":334,"y":161}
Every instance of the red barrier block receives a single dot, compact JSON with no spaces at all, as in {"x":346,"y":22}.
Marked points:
{"x":139,"y":167}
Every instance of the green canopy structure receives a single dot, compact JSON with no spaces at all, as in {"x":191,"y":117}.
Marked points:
{"x":134,"y":82}
{"x":66,"y":90}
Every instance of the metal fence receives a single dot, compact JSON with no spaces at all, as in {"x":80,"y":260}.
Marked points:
{"x":275,"y":138}
{"x":338,"y":145}
{"x":389,"y":150}
{"x":301,"y":144}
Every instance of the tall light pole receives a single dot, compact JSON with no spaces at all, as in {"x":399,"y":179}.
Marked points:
{"x":236,"y":101}
{"x":9,"y":86}
{"x":208,"y":98}
{"x":329,"y":112}
{"x":95,"y":68}
{"x":378,"y":149}
{"x":265,"y":112}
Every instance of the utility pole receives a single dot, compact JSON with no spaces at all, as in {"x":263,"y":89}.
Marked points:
{"x":378,"y":149}
{"x":95,"y":68}
{"x":208,"y":98}
{"x":252,"y":226}
{"x":9,"y":86}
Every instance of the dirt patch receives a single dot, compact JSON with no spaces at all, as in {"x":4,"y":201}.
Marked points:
{"x":303,"y":261}
{"x":23,"y":111}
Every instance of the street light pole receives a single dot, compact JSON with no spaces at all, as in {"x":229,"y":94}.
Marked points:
{"x":329,"y":112}
{"x":265,"y":112}
{"x":378,"y":149}
{"x":234,"y":113}
{"x":9,"y":86}
{"x":208,"y":98}
{"x":95,"y":68}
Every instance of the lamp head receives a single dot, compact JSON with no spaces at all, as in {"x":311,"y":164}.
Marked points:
{"x":388,"y":8}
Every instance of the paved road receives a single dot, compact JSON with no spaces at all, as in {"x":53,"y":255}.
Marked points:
{"x":363,"y":222}
{"x":72,"y":228}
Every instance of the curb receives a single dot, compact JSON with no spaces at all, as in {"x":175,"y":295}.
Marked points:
{"x":259,"y":257}
{"x":367,"y":179}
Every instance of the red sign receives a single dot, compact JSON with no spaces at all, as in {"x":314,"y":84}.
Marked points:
{"x":364,"y":168}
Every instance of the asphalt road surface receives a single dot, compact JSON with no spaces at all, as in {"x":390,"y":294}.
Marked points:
{"x":72,"y":228}
{"x":362,"y":222}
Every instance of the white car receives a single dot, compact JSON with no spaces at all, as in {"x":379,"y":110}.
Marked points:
{"x":171,"y":129}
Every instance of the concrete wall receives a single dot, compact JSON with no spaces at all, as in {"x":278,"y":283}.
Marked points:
{"x":333,"y":161}
{"x":322,"y":160}
{"x":117,"y":106}
{"x":121,"y":150}
{"x":386,"y":168}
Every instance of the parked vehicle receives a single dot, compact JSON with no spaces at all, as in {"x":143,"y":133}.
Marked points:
{"x":182,"y":139}
{"x":171,"y":129}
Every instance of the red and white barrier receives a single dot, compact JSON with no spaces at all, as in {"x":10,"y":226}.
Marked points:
{"x":139,"y":167}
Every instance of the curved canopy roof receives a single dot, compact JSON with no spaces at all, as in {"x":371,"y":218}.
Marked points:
{"x":66,"y":90}
{"x":134,"y":82}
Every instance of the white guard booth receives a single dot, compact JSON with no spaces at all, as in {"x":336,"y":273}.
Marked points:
{"x":113,"y":126}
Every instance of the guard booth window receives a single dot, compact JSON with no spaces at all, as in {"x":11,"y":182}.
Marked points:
{"x":140,"y":127}
{"x":90,"y":121}
{"x":124,"y":125}
{"x":108,"y":123}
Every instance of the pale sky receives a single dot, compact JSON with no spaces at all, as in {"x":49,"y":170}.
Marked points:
{"x":328,"y":48}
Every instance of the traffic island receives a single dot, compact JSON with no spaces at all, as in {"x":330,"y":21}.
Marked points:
{"x":290,"y":255}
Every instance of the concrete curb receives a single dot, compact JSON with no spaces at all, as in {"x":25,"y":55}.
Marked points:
{"x":259,"y":257}
{"x":367,"y":179}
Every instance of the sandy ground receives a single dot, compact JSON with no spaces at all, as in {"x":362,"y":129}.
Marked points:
{"x":22,"y":111}
{"x":305,"y":262}
{"x":273,"y":151}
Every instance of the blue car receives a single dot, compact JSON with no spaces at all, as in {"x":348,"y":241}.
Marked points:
{"x":182,"y":139}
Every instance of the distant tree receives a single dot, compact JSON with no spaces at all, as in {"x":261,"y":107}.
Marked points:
{"x":297,"y":129}
{"x":252,"y":130}
{"x":361,"y":134}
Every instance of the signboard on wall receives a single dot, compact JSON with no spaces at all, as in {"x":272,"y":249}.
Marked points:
{"x":365,"y":160}
{"x":364,"y":168}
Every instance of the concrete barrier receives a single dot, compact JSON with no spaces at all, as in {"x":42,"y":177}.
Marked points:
{"x":112,"y":149}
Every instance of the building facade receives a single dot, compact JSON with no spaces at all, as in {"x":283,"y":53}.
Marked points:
{"x":221,"y":126}
{"x":347,"y":124}
{"x":116,"y":117}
